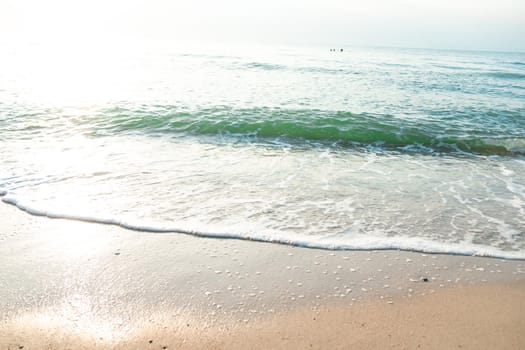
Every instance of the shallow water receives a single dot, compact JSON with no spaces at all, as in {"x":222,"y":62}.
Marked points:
{"x":361,"y":149}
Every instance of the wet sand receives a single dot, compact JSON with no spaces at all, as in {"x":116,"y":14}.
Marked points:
{"x":67,"y":284}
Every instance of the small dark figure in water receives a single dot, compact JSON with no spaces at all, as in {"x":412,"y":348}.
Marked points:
{"x":341,"y":50}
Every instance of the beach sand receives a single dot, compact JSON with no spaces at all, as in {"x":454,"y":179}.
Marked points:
{"x":74,"y":285}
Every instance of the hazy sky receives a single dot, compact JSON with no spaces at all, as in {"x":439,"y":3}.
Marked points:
{"x":455,"y":24}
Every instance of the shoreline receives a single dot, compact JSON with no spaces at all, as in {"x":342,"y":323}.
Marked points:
{"x":81,"y":285}
{"x":438,"y":249}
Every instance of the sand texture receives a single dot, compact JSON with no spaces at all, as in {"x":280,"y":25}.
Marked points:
{"x":74,"y":285}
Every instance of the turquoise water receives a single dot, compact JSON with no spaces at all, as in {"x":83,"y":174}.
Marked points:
{"x":362,"y":149}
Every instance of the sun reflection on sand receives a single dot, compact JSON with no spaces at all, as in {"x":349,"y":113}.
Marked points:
{"x":74,"y":239}
{"x":72,"y":318}
{"x":73,"y":325}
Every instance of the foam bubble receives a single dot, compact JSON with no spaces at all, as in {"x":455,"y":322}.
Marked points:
{"x":353,"y":242}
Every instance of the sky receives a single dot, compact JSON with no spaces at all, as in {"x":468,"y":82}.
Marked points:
{"x":442,"y":24}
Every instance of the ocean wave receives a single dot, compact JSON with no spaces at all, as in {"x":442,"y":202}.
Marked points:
{"x":303,"y":69}
{"x":507,"y":75}
{"x":263,"y":66}
{"x":340,"y":128}
{"x":352,"y":242}
{"x":324,"y":70}
{"x":481,"y":132}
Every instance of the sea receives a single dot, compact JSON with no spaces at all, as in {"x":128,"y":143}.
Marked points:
{"x":344,"y":148}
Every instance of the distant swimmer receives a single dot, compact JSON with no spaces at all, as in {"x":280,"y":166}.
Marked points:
{"x":341,"y":50}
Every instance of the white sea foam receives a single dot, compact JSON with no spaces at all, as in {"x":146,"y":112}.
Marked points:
{"x":351,"y":242}
{"x":311,"y":198}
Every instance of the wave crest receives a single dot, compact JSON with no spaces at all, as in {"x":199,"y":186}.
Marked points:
{"x":339,"y":128}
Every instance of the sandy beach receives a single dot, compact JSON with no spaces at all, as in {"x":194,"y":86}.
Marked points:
{"x":75,"y":285}
{"x":242,"y":175}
